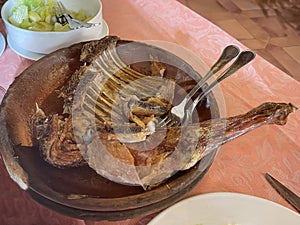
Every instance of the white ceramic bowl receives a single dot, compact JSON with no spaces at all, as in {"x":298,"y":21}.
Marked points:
{"x":46,"y":42}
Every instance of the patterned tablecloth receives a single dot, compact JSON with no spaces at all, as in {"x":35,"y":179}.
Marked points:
{"x":240,"y":164}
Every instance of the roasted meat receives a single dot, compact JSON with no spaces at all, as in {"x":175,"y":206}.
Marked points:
{"x":110,"y":115}
{"x":56,"y":141}
{"x":113,"y":92}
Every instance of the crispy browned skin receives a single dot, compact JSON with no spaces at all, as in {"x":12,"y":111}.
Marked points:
{"x":91,"y":50}
{"x":213,"y":132}
{"x":57,"y":141}
{"x":55,"y":131}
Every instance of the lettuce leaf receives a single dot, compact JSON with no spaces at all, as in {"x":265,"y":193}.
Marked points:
{"x":37,"y":15}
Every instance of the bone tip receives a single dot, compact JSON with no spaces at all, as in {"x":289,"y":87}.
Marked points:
{"x":293,"y":107}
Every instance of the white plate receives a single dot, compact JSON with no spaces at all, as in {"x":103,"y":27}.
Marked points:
{"x":2,"y":44}
{"x":226,"y":208}
{"x":22,"y":52}
{"x":35,"y":56}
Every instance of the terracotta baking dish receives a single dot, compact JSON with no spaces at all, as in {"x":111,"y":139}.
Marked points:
{"x":80,"y":192}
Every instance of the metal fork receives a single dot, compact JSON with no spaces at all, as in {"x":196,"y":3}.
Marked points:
{"x":63,"y":18}
{"x":180,"y":115}
{"x":229,"y":53}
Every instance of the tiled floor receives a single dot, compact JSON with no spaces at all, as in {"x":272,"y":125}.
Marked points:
{"x":270,"y":27}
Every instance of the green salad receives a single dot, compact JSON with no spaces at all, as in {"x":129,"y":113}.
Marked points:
{"x":38,"y":15}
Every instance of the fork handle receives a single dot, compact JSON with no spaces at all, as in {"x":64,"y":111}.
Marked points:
{"x":85,"y":24}
{"x":229,"y":53}
{"x":244,"y":58}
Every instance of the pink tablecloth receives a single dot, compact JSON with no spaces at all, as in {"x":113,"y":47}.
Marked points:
{"x":240,"y":164}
